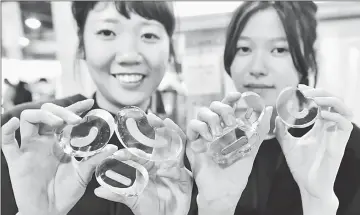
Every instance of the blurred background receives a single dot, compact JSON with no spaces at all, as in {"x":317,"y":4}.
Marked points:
{"x":39,"y":43}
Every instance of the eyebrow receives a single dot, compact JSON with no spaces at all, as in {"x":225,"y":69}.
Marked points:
{"x":275,"y":39}
{"x":150,"y":22}
{"x":116,"y":21}
{"x":109,"y":20}
{"x":279,"y":39}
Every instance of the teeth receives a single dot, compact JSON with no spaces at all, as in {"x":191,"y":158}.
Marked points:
{"x":129,"y":78}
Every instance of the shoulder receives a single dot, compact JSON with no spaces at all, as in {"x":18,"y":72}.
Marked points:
{"x":16,"y":111}
{"x":347,"y":184}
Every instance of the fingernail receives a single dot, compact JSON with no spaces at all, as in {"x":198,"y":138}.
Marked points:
{"x":57,"y":119}
{"x":76,"y":119}
{"x":231,"y":120}
{"x":208,"y":137}
{"x":302,"y":86}
{"x":218,"y":130}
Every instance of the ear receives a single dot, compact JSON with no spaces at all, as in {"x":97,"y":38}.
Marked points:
{"x":80,"y":53}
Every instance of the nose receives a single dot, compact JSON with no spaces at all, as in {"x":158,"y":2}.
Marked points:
{"x":128,"y":59}
{"x":258,"y":68}
{"x":127,"y":53}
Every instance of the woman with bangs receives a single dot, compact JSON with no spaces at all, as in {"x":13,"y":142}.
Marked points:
{"x":127,"y":47}
{"x":270,"y":45}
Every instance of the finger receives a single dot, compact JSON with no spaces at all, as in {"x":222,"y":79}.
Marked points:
{"x":212,"y":120}
{"x":155,"y":121}
{"x":231,"y":98}
{"x":264,"y":126}
{"x":318,"y":92}
{"x":303,"y":87}
{"x":343,"y":123}
{"x":87,"y":166}
{"x":335,"y":103}
{"x":198,"y":146}
{"x":9,"y":144}
{"x":81,"y":106}
{"x":196,"y":128}
{"x":225,"y":111}
{"x":171,"y":173}
{"x":63,"y":113}
{"x":133,"y":154}
{"x":30,"y":120}
{"x":105,"y":193}
{"x":173,"y":126}
{"x":78,"y":108}
{"x":282,"y":134}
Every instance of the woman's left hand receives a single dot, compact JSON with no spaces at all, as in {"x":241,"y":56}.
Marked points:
{"x":315,"y":158}
{"x":170,"y":183}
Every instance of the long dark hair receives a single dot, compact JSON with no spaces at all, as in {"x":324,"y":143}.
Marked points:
{"x":299,"y":21}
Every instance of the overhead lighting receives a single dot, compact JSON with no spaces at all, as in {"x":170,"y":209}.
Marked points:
{"x":23,"y":41}
{"x":33,"y":23}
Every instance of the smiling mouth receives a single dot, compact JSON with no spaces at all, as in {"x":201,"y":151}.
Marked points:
{"x":129,"y":78}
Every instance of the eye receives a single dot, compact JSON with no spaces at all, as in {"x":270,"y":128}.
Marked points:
{"x":280,"y":51}
{"x":150,"y":37}
{"x":243,"y":50}
{"x":106,"y":34}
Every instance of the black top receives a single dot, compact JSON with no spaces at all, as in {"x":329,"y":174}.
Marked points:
{"x":271,"y":189}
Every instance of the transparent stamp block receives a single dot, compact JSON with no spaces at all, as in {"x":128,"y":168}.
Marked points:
{"x":88,"y":137}
{"x":238,"y":141}
{"x":154,"y":144}
{"x":126,"y":178}
{"x":295,"y":110}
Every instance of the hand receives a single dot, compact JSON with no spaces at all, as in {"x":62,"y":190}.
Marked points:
{"x":45,"y":180}
{"x":170,"y":183}
{"x":315,"y":158}
{"x":220,"y":187}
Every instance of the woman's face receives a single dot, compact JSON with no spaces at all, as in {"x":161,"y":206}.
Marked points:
{"x":127,"y":58}
{"x":263,"y":63}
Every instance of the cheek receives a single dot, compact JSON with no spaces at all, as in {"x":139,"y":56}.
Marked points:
{"x":99,"y":55}
{"x":238,"y":70}
{"x":157,"y":58}
{"x":284,"y":72}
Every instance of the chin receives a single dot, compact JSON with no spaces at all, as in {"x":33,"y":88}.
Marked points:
{"x":131,"y":100}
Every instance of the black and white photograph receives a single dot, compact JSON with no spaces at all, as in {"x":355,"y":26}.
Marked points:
{"x":180,"y":107}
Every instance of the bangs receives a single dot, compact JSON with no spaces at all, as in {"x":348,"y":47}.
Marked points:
{"x":160,"y":11}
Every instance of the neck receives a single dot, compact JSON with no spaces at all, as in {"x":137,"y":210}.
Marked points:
{"x":105,"y":104}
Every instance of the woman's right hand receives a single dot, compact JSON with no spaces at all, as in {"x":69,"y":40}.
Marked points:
{"x":44,"y":179}
{"x":219,"y":188}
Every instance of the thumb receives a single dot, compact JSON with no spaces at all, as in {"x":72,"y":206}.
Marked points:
{"x":88,"y":166}
{"x":264,"y":127}
{"x":281,"y":133}
{"x":9,"y":144}
{"x":107,"y":194}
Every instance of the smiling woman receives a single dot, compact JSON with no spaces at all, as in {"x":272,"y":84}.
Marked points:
{"x":127,"y":47}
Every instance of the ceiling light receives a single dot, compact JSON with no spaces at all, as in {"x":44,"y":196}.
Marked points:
{"x":23,"y":41}
{"x":33,"y":23}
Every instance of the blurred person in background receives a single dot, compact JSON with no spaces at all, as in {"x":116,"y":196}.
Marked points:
{"x":22,"y":93}
{"x":270,"y":45}
{"x":43,"y":90}
{"x":8,"y":95}
{"x":16,"y":94}
{"x":127,"y":47}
